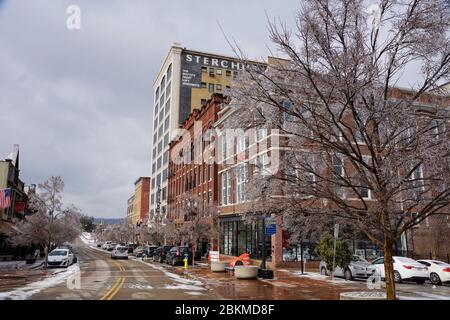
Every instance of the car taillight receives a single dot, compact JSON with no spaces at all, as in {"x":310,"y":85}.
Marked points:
{"x":408,"y":267}
{"x":178,"y":253}
{"x":446,"y":269}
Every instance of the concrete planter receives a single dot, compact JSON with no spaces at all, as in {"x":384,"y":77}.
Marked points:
{"x":218,"y":266}
{"x":246,"y":272}
{"x":367,"y":295}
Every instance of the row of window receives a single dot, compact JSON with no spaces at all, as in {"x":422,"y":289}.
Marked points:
{"x":213,"y":87}
{"x":193,"y":178}
{"x":242,"y":142}
{"x":162,"y":85}
{"x":241,"y":176}
{"x":218,"y":71}
{"x":205,"y":199}
{"x":261,"y":165}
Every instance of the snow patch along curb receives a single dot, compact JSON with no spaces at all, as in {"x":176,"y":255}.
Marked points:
{"x":171,"y":275}
{"x":33,"y":288}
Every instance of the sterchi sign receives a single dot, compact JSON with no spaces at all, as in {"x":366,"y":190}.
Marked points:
{"x":213,"y":62}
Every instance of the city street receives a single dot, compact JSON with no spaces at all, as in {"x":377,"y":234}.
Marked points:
{"x":107,"y":279}
{"x":101,"y":278}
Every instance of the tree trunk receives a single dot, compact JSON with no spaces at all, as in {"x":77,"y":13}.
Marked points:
{"x":389,"y":269}
{"x":46,"y":256}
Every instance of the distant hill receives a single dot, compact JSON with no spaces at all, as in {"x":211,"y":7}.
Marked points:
{"x":108,"y":220}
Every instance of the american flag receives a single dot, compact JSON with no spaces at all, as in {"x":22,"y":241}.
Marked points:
{"x":5,"y":198}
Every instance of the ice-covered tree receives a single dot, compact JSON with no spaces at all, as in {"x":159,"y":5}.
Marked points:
{"x":50,"y":223}
{"x":361,"y":149}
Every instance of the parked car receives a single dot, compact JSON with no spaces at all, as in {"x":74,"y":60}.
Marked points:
{"x":176,"y":255}
{"x":439,"y":271}
{"x":131,"y":247}
{"x":75,"y":259}
{"x":150,"y":250}
{"x":139,"y":251}
{"x":100,"y":244}
{"x":404,"y":269}
{"x":120,"y":252}
{"x":60,"y":258}
{"x":357,"y":268}
{"x":111,"y":246}
{"x":159,"y":255}
{"x":106,"y":244}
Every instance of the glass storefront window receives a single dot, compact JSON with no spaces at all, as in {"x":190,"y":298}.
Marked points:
{"x":238,"y":238}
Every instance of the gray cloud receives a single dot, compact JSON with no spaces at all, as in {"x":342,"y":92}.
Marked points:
{"x":79,"y":103}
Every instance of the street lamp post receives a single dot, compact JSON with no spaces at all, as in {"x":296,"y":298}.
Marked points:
{"x":263,"y":272}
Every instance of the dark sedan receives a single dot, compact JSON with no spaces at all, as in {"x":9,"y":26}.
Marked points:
{"x":150,"y":251}
{"x":160,"y":253}
{"x":176,"y":255}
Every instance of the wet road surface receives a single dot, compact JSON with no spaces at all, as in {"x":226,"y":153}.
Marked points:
{"x":101,"y":278}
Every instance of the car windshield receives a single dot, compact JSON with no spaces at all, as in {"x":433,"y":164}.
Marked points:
{"x":58,"y":253}
{"x":358,"y":259}
{"x":440,"y":263}
{"x":122,"y":249}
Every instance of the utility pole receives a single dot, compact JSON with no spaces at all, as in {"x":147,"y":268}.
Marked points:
{"x":336,"y":233}
{"x":263,"y":263}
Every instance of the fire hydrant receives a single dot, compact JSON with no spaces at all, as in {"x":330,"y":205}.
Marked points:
{"x":185,"y":260}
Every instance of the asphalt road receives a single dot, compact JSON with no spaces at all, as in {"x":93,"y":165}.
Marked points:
{"x":101,"y":278}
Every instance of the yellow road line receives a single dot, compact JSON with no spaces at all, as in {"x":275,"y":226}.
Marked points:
{"x":114,"y":292}
{"x":117,"y":285}
{"x":107,"y":294}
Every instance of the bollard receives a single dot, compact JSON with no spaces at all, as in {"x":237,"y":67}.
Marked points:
{"x":185,"y":263}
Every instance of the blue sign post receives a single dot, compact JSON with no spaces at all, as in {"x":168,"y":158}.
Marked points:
{"x":271,"y":227}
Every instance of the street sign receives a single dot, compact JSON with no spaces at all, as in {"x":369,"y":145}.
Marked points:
{"x":214,"y":256}
{"x":271,"y":227}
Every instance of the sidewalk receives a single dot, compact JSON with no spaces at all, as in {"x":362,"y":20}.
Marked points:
{"x":286,"y":285}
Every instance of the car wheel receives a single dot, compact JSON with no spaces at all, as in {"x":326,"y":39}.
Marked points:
{"x":397,"y":277}
{"x":348,"y":274}
{"x":174,"y":263}
{"x":435,"y":279}
{"x":323,"y":271}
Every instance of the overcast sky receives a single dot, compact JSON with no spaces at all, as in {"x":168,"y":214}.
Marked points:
{"x":79,"y":103}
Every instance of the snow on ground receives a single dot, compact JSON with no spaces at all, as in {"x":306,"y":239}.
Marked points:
{"x":315,"y":276}
{"x":184,"y":287}
{"x":181,"y":283}
{"x":86,"y":237}
{"x":30,"y":289}
{"x":194,"y":293}
{"x":139,"y":286}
